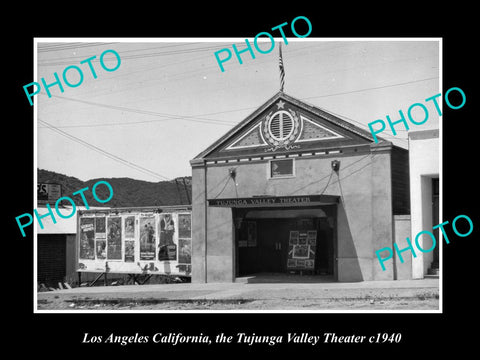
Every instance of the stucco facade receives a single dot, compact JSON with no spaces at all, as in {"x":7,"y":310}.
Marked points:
{"x":352,"y":205}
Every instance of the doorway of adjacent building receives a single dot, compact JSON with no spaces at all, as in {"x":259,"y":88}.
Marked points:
{"x":434,"y":267}
{"x":51,"y":259}
{"x":287,"y":241}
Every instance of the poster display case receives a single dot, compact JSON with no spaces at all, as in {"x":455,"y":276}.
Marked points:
{"x":301,"y":250}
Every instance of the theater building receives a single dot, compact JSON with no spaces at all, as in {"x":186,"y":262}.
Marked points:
{"x":295,"y":189}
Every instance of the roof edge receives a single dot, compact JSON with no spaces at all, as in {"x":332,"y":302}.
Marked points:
{"x":239,"y":126}
{"x":334,"y":119}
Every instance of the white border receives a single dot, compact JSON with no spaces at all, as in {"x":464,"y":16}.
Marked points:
{"x":36,"y":40}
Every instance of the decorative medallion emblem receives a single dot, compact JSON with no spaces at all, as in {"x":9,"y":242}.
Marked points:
{"x":281,"y":128}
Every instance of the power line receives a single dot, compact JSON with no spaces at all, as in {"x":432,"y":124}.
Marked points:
{"x":330,"y":175}
{"x":166,"y":116}
{"x":372,"y":88}
{"x":140,"y":69}
{"x":104,"y":152}
{"x":67,"y":46}
{"x":346,"y":118}
{"x":182,"y":75}
{"x":68,"y":60}
{"x":215,"y":121}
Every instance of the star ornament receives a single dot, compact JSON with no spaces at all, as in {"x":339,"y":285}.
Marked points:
{"x":280,"y":105}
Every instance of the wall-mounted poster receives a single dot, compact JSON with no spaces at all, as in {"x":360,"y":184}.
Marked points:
{"x":87,"y":238}
{"x":301,"y":250}
{"x":172,"y":252}
{"x":101,"y":249}
{"x":128,"y":240}
{"x":114,"y":238}
{"x":167,"y":250}
{"x":129,"y":251}
{"x":291,"y":263}
{"x":147,"y":238}
{"x":130,"y":227}
{"x":100,"y":227}
{"x":184,"y":251}
{"x":301,"y":264}
{"x":184,"y":226}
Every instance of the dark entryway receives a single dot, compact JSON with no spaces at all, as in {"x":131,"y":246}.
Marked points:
{"x":268,"y":244}
{"x":51,"y":259}
{"x":434,"y":267}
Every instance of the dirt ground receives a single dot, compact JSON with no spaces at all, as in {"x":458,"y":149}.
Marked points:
{"x":281,"y":296}
{"x":417,"y":303}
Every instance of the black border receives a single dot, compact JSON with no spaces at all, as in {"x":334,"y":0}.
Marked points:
{"x":60,"y":335}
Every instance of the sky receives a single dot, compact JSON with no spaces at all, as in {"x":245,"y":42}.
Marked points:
{"x":168,"y":100}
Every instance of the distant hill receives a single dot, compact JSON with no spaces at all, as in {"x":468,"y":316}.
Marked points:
{"x":126,"y":192}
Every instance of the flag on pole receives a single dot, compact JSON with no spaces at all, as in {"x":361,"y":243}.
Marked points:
{"x":282,"y":70}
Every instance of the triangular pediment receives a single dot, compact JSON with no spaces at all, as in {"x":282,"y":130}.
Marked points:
{"x":285,"y":124}
{"x":250,"y":139}
{"x":313,"y":131}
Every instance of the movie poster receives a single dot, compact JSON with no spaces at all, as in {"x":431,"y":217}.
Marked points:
{"x":100,"y":227}
{"x":167,"y":250}
{"x":114,"y":238}
{"x":130,"y":227}
{"x":101,"y":249}
{"x":147,"y":238}
{"x":87,"y":238}
{"x":184,"y":251}
{"x":301,"y":250}
{"x":129,"y":251}
{"x":184,"y":226}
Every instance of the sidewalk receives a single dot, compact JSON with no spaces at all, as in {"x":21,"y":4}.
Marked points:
{"x":290,"y":294}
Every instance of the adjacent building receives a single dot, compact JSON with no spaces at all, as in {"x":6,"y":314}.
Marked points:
{"x":56,"y":249}
{"x":425,"y":153}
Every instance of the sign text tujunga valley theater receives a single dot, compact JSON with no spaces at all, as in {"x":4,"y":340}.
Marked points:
{"x":280,"y":200}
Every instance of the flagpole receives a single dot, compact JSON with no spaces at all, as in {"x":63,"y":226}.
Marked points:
{"x":281,"y":68}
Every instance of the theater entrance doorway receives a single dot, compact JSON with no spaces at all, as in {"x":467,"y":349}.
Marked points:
{"x":286,"y":241}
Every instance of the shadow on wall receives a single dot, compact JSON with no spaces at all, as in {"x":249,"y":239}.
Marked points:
{"x":348,"y":266}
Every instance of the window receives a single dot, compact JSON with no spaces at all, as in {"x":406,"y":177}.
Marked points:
{"x":282,"y":168}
